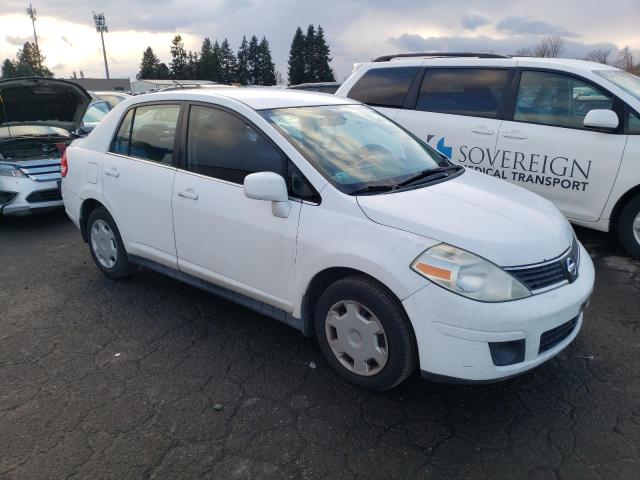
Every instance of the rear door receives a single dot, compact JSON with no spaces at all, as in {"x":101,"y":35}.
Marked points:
{"x":457,"y":111}
{"x":138,"y":174}
{"x":551,"y":152}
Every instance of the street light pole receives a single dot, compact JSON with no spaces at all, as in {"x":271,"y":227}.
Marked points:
{"x":101,"y":26}
{"x":32,"y":15}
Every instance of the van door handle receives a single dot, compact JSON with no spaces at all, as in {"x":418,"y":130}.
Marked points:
{"x":188,"y":193}
{"x":482,"y":130}
{"x":517,"y":134}
{"x":112,"y":172}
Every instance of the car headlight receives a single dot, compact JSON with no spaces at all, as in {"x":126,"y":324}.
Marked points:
{"x":467,"y":274}
{"x":7,"y":170}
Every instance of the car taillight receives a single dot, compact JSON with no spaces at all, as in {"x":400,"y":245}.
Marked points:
{"x":64,"y":167}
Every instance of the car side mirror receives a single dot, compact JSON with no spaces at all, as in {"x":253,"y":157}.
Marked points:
{"x":601,"y":118}
{"x":84,"y":130}
{"x":270,"y":187}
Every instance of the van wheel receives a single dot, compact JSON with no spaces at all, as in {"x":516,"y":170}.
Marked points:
{"x":364,"y":334}
{"x":629,"y":226}
{"x":106,"y":245}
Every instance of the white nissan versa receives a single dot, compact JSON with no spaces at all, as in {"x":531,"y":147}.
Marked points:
{"x":324,"y":214}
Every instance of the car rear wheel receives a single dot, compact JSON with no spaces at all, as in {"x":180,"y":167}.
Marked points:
{"x":364,"y":333}
{"x":629,"y":226}
{"x":106,"y":244}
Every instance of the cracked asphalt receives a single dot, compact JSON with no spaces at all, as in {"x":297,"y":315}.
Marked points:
{"x":119,"y":379}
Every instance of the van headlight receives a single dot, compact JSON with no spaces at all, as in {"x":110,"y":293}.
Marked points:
{"x":8,"y":170}
{"x":467,"y":274}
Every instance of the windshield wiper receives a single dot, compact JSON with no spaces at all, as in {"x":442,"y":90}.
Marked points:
{"x":425,"y":174}
{"x":373,"y":189}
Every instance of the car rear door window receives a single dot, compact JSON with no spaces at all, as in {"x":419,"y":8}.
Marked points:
{"x":384,"y":87}
{"x":122,"y":139}
{"x":462,"y":91}
{"x":223,"y":146}
{"x":557,"y":99}
{"x":153,"y":132}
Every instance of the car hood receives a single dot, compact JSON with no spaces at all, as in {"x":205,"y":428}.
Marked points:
{"x":43,"y":102}
{"x":491,"y":218}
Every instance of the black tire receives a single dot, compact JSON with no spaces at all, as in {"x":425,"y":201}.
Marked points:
{"x":122,"y":267}
{"x":625,"y":227}
{"x":400,"y":343}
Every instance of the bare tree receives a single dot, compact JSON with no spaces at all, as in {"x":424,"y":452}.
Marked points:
{"x":600,"y":55}
{"x":523,"y":52}
{"x":550,"y":47}
{"x":625,"y":59}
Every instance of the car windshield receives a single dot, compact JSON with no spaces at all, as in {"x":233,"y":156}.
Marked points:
{"x":96,"y":112}
{"x":628,"y":82}
{"x":353,"y":146}
{"x":32,"y":130}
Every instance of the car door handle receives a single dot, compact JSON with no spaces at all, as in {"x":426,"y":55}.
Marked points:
{"x":483,"y":131}
{"x":112,"y":172}
{"x":188,"y":193}
{"x":517,"y":134}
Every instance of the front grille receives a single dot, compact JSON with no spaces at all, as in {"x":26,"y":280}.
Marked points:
{"x":542,"y":276}
{"x":41,"y":170}
{"x":553,"y":337}
{"x":50,"y":195}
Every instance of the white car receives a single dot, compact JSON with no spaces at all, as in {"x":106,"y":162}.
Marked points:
{"x":320,"y":212}
{"x":568,"y":130}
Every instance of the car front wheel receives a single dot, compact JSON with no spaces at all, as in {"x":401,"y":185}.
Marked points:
{"x":364,"y":333}
{"x":106,"y":245}
{"x":629,"y":226}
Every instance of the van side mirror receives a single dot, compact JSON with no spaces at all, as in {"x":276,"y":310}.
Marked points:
{"x":270,"y":187}
{"x":601,"y":118}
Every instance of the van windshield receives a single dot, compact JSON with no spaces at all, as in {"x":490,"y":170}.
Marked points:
{"x":354,"y":147}
{"x":628,"y":82}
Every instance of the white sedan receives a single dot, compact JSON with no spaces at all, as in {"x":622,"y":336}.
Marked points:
{"x":322,"y":213}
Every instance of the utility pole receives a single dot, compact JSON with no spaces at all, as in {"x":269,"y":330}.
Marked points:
{"x":32,"y":15}
{"x":101,"y":26}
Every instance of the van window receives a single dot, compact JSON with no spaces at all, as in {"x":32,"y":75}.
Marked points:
{"x":153,"y":132}
{"x":556,"y":99}
{"x":384,"y":87}
{"x":223,"y":146}
{"x":462,"y":91}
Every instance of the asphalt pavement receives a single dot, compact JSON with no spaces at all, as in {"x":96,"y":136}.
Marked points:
{"x":150,"y":378}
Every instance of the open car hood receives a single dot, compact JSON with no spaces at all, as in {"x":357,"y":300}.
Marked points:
{"x":44,"y":102}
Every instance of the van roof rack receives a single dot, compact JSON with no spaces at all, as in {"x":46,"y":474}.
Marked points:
{"x":386,"y":58}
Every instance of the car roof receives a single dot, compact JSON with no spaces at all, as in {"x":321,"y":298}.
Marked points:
{"x":423,"y":60}
{"x":257,"y":98}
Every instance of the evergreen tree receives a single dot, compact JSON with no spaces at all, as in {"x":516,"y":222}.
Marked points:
{"x":253,"y":62}
{"x":217,"y":55}
{"x":192,"y":66}
{"x":163,"y":72}
{"x":209,"y":64}
{"x":242,"y":71}
{"x":324,"y":73}
{"x":29,"y":62}
{"x":296,"y":58}
{"x":267,"y":73}
{"x":9,"y":69}
{"x":149,"y":65}
{"x":228,"y":63}
{"x":179,"y":58}
{"x":310,"y":68}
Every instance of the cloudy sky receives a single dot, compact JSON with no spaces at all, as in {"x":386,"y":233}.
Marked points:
{"x":357,"y":30}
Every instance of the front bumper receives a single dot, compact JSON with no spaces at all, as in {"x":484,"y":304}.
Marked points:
{"x":30,"y":196}
{"x":454,"y":333}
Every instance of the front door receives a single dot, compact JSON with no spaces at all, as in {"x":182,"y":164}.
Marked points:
{"x":221,"y":235}
{"x":549,"y":150}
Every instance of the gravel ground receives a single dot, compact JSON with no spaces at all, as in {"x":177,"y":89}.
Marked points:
{"x":150,"y":378}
